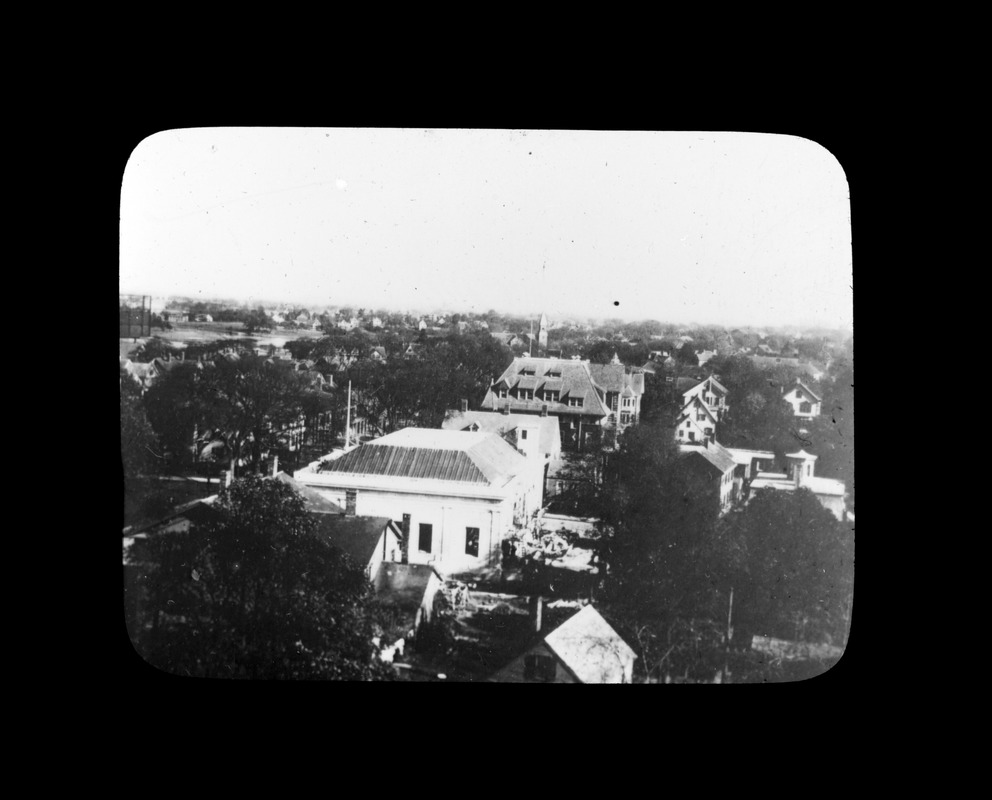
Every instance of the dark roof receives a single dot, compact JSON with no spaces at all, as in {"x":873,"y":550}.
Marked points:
{"x":575,"y":381}
{"x":715,"y":457}
{"x":356,"y":536}
{"x":314,"y":500}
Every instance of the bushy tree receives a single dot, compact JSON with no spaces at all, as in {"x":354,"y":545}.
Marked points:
{"x":175,"y":406}
{"x":254,"y":593}
{"x":139,"y":446}
{"x":155,"y":347}
{"x":796,"y":577}
{"x":663,"y":515}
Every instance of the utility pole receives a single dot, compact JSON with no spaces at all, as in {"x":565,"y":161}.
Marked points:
{"x":347,"y":424}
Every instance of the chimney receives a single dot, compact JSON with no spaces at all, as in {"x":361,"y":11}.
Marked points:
{"x":536,"y":611}
{"x":506,"y":408}
{"x":464,"y":405}
{"x":275,"y":466}
{"x":350,"y":502}
{"x":405,"y":543}
{"x":544,"y":409}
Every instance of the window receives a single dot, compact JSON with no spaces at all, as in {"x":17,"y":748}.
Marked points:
{"x":799,"y":393}
{"x":805,"y":408}
{"x":426,"y":537}
{"x":551,"y":396}
{"x":692,"y":436}
{"x":539,"y":668}
{"x":575,"y":402}
{"x":525,"y":394}
{"x":527,"y":371}
{"x":472,"y":541}
{"x":553,"y":373}
{"x":502,"y":393}
{"x":523,"y":434}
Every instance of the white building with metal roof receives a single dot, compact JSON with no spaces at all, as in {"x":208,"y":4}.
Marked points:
{"x":455,"y":494}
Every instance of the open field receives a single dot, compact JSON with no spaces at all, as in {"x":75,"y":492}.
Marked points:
{"x":184,"y":333}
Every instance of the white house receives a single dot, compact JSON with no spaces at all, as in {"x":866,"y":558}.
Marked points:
{"x":716,"y":465}
{"x":537,"y":436}
{"x":454,"y":494}
{"x":696,"y":422}
{"x":831,"y":493}
{"x":711,"y":392}
{"x":805,"y":402}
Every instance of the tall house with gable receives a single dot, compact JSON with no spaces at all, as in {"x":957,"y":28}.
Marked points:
{"x":589,"y":400}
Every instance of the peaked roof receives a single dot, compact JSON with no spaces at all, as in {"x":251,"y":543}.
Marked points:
{"x":715,"y":456}
{"x":813,"y":394}
{"x":574,"y":381}
{"x":699,"y":405}
{"x":315,"y":502}
{"x":444,"y":455}
{"x":590,"y":648}
{"x":355,"y":536}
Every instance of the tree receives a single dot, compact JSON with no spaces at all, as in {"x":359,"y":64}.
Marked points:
{"x":796,"y":578}
{"x":254,"y":593}
{"x":664,"y":518}
{"x":250,"y":399}
{"x":686,"y":354}
{"x":139,"y":448}
{"x":176,"y":409}
{"x":257,"y":319}
{"x":155,"y":347}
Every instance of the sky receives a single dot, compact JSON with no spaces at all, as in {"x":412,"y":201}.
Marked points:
{"x":708,"y":227}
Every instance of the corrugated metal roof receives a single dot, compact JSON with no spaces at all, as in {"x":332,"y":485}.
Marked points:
{"x":444,"y":455}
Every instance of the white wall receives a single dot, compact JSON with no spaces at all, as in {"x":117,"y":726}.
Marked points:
{"x":804,"y":397}
{"x":449,"y":516}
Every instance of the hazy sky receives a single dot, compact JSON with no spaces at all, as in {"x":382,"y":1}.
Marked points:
{"x":720,"y":228}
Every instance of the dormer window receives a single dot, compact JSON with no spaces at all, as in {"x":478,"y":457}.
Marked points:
{"x":551,"y":396}
{"x":553,"y":373}
{"x":528,"y":371}
{"x":575,"y":402}
{"x":502,"y":394}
